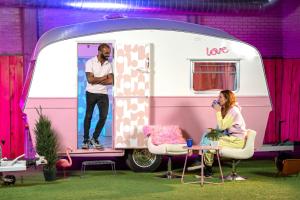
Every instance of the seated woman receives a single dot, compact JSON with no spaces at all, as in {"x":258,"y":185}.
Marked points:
{"x":231,"y":128}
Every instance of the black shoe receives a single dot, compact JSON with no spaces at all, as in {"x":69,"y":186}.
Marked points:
{"x":208,"y":171}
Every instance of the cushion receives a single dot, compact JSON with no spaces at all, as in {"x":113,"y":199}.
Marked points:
{"x":164,"y":134}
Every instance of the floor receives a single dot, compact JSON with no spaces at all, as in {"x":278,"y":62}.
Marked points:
{"x":101,"y":183}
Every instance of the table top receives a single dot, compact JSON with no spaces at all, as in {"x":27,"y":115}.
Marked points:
{"x":198,"y":147}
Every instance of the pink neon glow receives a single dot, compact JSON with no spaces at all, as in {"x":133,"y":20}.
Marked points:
{"x":11,"y":126}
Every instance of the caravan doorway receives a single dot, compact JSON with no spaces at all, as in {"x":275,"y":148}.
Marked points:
{"x":86,"y":51}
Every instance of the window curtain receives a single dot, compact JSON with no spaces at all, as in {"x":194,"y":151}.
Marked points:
{"x":11,"y":123}
{"x":214,"y":76}
{"x":283,"y":77}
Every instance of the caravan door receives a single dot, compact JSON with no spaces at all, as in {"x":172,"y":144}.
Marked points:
{"x":131,"y":95}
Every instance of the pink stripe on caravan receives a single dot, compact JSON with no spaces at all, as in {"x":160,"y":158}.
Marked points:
{"x":63,"y":114}
{"x":195,"y":114}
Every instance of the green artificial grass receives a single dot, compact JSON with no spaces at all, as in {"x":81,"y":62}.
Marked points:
{"x":262,"y":184}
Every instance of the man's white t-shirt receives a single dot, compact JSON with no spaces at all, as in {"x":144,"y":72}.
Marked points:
{"x":95,"y":67}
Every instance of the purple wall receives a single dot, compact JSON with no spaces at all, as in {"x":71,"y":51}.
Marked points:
{"x":254,"y":30}
{"x":274,"y":33}
{"x":48,"y":18}
{"x":18,"y":33}
{"x":291,"y":33}
{"x":263,"y":32}
{"x":10,"y":31}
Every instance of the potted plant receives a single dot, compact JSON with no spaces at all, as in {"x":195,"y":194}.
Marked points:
{"x":214,"y":134}
{"x":46,"y":144}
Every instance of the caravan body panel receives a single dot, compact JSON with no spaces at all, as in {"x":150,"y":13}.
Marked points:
{"x":171,"y":98}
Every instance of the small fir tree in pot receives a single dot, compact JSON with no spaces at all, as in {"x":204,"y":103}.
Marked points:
{"x":46,"y":144}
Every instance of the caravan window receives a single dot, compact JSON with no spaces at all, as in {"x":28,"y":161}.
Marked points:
{"x":214,"y":76}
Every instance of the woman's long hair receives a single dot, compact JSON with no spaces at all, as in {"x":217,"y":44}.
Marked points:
{"x":230,"y":101}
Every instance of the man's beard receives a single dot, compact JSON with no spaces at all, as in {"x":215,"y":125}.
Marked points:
{"x":104,"y":57}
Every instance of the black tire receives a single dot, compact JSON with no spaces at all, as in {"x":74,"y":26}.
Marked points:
{"x":9,"y":180}
{"x":280,"y":158}
{"x":141,"y":160}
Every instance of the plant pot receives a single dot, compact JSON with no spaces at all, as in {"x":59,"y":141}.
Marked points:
{"x":49,"y":174}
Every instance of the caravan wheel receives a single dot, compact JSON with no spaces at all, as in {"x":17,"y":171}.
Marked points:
{"x":141,"y":160}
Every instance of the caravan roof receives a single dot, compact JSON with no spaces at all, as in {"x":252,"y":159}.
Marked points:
{"x":104,"y":26}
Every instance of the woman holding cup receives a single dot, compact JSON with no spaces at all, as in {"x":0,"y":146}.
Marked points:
{"x":230,"y":131}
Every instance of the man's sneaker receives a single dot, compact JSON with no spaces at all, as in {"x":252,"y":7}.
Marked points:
{"x":85,"y":145}
{"x":95,"y":143}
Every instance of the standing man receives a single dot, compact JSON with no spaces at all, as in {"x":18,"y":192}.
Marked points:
{"x":98,"y":74}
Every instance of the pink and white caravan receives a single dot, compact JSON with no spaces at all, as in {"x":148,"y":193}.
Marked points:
{"x":165,"y":73}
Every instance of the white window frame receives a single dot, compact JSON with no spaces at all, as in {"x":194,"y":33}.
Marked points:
{"x":237,"y":65}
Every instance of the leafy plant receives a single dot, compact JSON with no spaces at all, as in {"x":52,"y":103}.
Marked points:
{"x":46,"y":140}
{"x":214,"y":134}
